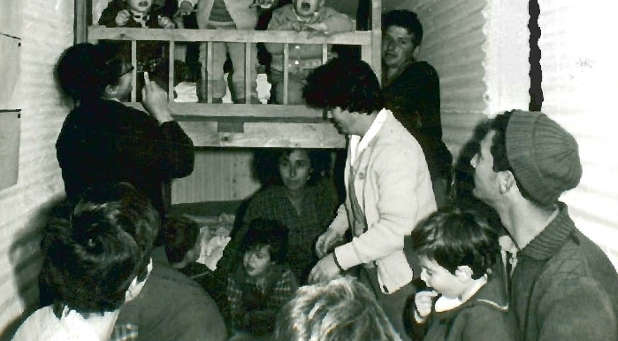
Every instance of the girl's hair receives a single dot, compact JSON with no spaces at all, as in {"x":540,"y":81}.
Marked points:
{"x":181,"y":234}
{"x":264,"y":232}
{"x":92,"y":256}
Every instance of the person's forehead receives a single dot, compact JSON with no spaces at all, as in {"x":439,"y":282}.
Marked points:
{"x":396,"y":31}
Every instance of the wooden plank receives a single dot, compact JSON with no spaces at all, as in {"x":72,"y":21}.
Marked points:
{"x":134,"y":63}
{"x":248,"y":73}
{"x":254,"y":112}
{"x":286,"y":77}
{"x":170,"y":75}
{"x":265,"y":134}
{"x":376,"y":37}
{"x":235,"y":36}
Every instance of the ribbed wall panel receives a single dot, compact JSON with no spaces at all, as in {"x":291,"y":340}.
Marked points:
{"x":47,"y":29}
{"x":579,"y":87}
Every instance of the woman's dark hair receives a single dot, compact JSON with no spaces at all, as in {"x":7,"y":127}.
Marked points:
{"x":181,"y":235}
{"x":264,"y":232}
{"x":406,"y":19}
{"x":348,"y":84}
{"x":92,"y":256}
{"x":453,"y":237}
{"x":266,"y":164}
{"x":84,"y":70}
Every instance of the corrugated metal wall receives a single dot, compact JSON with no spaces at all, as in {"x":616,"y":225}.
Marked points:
{"x":580,"y":85}
{"x":45,"y":31}
{"x":480,"y":50}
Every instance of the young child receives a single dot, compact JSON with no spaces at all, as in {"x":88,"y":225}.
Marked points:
{"x":152,"y":57}
{"x":228,"y":15}
{"x":183,"y":246}
{"x":301,"y":15}
{"x":262,"y":284}
{"x":457,"y":252}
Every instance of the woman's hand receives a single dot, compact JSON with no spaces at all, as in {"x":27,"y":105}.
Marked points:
{"x":122,"y":18}
{"x":154,"y":100}
{"x":326,"y":241}
{"x":325,"y":270}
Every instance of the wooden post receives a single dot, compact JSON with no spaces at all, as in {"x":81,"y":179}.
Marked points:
{"x":83,"y":18}
{"x":376,"y":37}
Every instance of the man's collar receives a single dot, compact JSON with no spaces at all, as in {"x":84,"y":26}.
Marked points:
{"x":546,"y":243}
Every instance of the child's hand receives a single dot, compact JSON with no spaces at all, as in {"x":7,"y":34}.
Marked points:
{"x":297,"y":26}
{"x":166,"y":22}
{"x":423,"y":300}
{"x":122,"y":18}
{"x":185,"y":8}
{"x":317,"y":30}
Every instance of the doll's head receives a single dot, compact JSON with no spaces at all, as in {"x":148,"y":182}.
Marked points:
{"x":306,"y":9}
{"x":139,"y":6}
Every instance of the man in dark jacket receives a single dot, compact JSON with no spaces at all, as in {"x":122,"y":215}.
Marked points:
{"x":563,"y":286}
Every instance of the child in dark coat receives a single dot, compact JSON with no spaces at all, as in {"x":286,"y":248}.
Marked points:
{"x":457,"y":252}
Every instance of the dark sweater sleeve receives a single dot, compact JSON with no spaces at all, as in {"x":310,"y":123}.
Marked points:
{"x":416,"y":94}
{"x":108,"y":17}
{"x":177,"y":149}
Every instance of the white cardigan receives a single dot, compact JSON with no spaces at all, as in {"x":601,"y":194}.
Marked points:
{"x":394,"y":189}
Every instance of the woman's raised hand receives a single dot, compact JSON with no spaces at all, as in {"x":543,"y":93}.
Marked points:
{"x":154,"y":100}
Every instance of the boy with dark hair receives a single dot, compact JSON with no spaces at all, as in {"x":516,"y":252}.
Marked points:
{"x":95,"y":260}
{"x":457,"y":252}
{"x":263,"y":283}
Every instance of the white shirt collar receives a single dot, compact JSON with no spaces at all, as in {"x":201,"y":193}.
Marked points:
{"x":358,"y":143}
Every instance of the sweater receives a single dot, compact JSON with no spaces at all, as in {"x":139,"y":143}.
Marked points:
{"x":564,"y":287}
{"x":484,"y":316}
{"x":107,"y":141}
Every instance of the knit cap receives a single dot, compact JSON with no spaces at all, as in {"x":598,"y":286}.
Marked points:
{"x":543,"y":155}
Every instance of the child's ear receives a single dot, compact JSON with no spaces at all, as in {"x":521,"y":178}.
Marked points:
{"x":463,"y":272}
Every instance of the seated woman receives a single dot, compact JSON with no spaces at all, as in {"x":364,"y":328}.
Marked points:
{"x":95,"y":260}
{"x":103,"y":140}
{"x":412,"y":93}
{"x":299,"y":197}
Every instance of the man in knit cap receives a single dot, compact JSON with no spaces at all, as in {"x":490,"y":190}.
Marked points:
{"x":563,"y":286}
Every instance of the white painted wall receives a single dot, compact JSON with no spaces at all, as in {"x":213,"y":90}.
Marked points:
{"x":580,"y":86}
{"x":45,"y":28}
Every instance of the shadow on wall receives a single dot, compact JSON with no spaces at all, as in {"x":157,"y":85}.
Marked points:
{"x":26,"y":259}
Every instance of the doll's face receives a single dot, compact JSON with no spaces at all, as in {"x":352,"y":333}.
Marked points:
{"x":306,"y":8}
{"x":139,"y":6}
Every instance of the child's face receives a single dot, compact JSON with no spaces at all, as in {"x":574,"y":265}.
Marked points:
{"x":139,"y":6}
{"x":257,"y":260}
{"x":193,"y":254}
{"x":440,"y":279}
{"x":306,"y":8}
